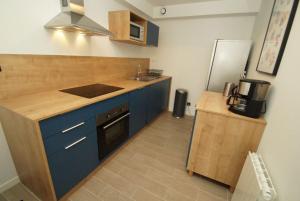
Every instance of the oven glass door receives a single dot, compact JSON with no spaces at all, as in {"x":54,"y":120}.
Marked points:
{"x":112,"y":134}
{"x":135,"y":31}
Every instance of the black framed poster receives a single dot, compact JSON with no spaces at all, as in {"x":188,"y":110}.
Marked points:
{"x":277,"y":35}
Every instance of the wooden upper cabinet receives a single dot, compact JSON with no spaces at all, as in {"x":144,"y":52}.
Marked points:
{"x":119,"y":25}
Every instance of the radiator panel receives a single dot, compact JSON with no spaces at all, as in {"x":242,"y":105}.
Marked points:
{"x":254,"y":183}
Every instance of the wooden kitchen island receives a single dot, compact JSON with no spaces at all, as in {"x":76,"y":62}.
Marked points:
{"x":221,"y":140}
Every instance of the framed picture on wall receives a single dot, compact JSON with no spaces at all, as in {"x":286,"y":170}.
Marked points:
{"x":277,"y":35}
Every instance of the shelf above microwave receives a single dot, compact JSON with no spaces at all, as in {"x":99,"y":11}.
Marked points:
{"x":120,"y":25}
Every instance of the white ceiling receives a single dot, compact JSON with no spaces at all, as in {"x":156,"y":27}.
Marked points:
{"x":174,"y":2}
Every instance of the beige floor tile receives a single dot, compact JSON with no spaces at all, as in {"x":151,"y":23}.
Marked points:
{"x":2,"y":198}
{"x":144,"y":182}
{"x":17,"y":193}
{"x":95,"y":186}
{"x":201,"y":183}
{"x":142,"y":195}
{"x":111,"y":194}
{"x":116,"y":181}
{"x":114,"y":166}
{"x":83,"y":195}
{"x":229,"y":195}
{"x":171,"y":161}
{"x":152,"y":163}
{"x":153,"y":140}
{"x":171,"y":182}
{"x":138,"y":167}
{"x":124,"y":154}
{"x":173,"y":195}
{"x":143,"y":150}
{"x":204,"y":196}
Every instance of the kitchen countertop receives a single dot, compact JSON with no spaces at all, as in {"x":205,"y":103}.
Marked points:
{"x":47,"y":104}
{"x":213,"y":102}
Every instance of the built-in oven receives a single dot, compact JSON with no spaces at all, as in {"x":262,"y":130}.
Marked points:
{"x":136,"y":31}
{"x":112,"y":130}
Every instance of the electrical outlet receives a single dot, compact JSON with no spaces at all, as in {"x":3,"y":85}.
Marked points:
{"x":188,"y":103}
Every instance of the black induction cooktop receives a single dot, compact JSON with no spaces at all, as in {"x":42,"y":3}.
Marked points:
{"x":91,"y":91}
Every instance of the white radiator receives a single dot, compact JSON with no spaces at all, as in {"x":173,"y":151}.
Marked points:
{"x":254,"y":183}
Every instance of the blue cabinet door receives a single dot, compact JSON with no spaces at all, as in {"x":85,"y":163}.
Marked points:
{"x":152,"y":34}
{"x":157,"y":99}
{"x":137,"y":108}
{"x":151,"y":103}
{"x":71,"y":165}
{"x":165,"y":91}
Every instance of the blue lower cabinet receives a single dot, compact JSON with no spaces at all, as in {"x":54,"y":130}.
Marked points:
{"x":137,"y":108}
{"x":165,"y":87}
{"x":74,"y":163}
{"x":157,"y":99}
{"x":59,"y":123}
{"x":71,"y":139}
{"x":57,"y":143}
{"x":152,"y":103}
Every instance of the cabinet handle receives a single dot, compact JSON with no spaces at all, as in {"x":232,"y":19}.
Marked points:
{"x":73,"y":127}
{"x":116,"y":121}
{"x":74,"y":143}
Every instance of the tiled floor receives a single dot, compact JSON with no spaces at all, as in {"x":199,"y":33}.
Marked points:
{"x":151,"y":168}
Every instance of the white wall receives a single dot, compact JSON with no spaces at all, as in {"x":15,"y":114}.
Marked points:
{"x":209,"y":8}
{"x":8,"y":175}
{"x":196,"y":9}
{"x":23,"y":30}
{"x":280,"y":144}
{"x":185,"y":47}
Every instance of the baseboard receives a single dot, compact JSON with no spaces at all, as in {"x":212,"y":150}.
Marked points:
{"x":8,"y":184}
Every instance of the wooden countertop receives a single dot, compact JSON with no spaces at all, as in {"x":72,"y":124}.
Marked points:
{"x":213,"y":102}
{"x":47,"y":104}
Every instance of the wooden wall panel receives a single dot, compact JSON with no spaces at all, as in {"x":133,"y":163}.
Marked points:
{"x":26,"y":74}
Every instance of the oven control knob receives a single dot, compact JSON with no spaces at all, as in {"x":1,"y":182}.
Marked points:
{"x":108,"y":116}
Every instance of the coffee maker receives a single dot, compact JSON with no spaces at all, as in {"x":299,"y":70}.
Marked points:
{"x":249,"y":98}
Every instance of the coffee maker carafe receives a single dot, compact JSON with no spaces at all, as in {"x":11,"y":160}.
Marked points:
{"x":249,"y":98}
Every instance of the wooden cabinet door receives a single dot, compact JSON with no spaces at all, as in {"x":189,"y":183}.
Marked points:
{"x":240,"y":137}
{"x":209,"y":138}
{"x":220,"y":146}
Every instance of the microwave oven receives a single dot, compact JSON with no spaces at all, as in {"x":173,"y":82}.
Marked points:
{"x":136,"y":32}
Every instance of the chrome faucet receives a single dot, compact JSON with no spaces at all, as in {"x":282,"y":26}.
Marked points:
{"x":139,"y":71}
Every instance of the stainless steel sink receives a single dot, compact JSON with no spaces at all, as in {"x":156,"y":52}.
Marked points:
{"x":149,"y":75}
{"x":147,"y":78}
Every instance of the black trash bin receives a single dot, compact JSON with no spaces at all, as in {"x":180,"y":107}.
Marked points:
{"x":180,"y":103}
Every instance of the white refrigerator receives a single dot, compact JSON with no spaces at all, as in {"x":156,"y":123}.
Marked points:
{"x":228,"y":62}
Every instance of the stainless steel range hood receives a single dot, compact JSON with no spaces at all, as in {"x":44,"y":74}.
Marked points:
{"x":72,"y":18}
